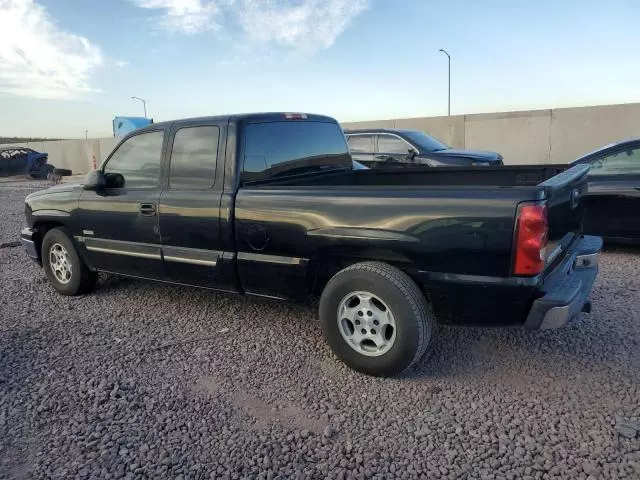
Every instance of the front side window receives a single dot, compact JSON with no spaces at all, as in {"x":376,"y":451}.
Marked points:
{"x":360,"y":143}
{"x":193,"y":158}
{"x":626,"y":161}
{"x":138,"y":160}
{"x":293,"y":147}
{"x":392,"y":144}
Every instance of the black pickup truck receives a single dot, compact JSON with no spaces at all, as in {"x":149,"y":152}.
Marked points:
{"x":271,"y":205}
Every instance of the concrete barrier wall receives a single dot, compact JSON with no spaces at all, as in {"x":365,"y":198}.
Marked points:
{"x":450,"y":130}
{"x":529,"y":137}
{"x":576,"y":131}
{"x":526,"y":137}
{"x":521,"y":138}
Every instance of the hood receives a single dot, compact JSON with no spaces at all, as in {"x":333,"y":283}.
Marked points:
{"x":471,"y":154}
{"x":65,"y":187}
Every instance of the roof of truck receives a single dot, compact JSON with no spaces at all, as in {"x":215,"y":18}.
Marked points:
{"x":246,"y":118}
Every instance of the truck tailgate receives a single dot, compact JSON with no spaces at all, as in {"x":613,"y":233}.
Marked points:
{"x":566,"y":195}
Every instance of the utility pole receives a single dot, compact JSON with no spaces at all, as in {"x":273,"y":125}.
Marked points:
{"x":449,"y":58}
{"x":144,"y":104}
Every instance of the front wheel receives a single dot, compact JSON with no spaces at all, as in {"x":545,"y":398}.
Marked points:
{"x":376,"y":319}
{"x":65,"y":270}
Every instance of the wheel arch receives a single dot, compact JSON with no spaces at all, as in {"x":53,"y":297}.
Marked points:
{"x":40,"y":228}
{"x":329,"y":261}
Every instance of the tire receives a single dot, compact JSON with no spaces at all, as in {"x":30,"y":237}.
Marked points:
{"x":396,"y":299}
{"x":43,"y":171}
{"x":47,"y":169}
{"x":63,"y":172}
{"x":57,"y":245}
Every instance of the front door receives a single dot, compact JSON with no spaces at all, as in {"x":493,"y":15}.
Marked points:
{"x":189,"y":209}
{"x":391,"y":149}
{"x":613,"y":208}
{"x":118,"y":224}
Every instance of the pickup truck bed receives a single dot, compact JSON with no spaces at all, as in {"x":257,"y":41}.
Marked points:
{"x":454,"y":236}
{"x":269,"y":205}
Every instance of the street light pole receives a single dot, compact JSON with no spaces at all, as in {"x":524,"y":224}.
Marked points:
{"x":449,"y":58}
{"x":86,"y":135}
{"x":144,"y":104}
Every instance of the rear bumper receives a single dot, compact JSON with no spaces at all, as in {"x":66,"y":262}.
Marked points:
{"x":26,"y":237}
{"x":566,"y":291}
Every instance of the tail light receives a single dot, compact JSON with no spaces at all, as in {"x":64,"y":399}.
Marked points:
{"x":532,"y":229}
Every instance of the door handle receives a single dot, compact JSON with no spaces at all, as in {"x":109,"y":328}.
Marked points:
{"x":147,"y":209}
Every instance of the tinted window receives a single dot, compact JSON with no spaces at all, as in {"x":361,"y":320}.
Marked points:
{"x":391,"y":144}
{"x":278,"y":148}
{"x":138,"y":160}
{"x":626,"y":161}
{"x":193,"y":158}
{"x":360,"y":143}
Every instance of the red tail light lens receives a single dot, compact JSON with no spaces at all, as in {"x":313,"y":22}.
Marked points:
{"x":531,"y":239}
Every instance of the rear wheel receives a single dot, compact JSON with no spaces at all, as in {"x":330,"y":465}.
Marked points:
{"x":65,"y":270}
{"x":375,"y":318}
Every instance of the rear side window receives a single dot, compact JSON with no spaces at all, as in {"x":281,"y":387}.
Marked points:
{"x":392,"y":144}
{"x":193,"y":158}
{"x":138,"y":160}
{"x":360,"y":143}
{"x":293,"y":147}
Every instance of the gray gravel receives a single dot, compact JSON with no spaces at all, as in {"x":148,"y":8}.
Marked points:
{"x":91,"y":387}
{"x":12,"y":193}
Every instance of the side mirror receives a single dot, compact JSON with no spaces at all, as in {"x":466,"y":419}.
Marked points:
{"x":114,"y":180}
{"x":412,"y":154}
{"x":95,"y":180}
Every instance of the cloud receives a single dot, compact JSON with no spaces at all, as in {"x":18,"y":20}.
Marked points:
{"x":37,"y":59}
{"x":120,"y":63}
{"x":300,"y":25}
{"x":309,"y":25}
{"x":184,"y":16}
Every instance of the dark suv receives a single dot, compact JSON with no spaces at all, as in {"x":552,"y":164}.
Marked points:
{"x":395,"y":147}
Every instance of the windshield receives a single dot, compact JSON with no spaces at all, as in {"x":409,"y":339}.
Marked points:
{"x":424,"y":142}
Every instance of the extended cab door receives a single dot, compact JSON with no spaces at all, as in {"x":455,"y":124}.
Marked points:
{"x":273,"y":249}
{"x":614,"y":195}
{"x":189,"y":208}
{"x":119,"y":223}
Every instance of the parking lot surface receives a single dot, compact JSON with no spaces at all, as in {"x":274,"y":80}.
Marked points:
{"x":142,"y":380}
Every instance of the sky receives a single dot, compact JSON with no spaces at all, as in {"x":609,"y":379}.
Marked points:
{"x":67,"y":66}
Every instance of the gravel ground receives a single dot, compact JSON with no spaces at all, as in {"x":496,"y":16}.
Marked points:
{"x":106,"y":386}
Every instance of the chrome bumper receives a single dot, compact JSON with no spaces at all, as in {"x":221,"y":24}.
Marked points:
{"x":568,"y":288}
